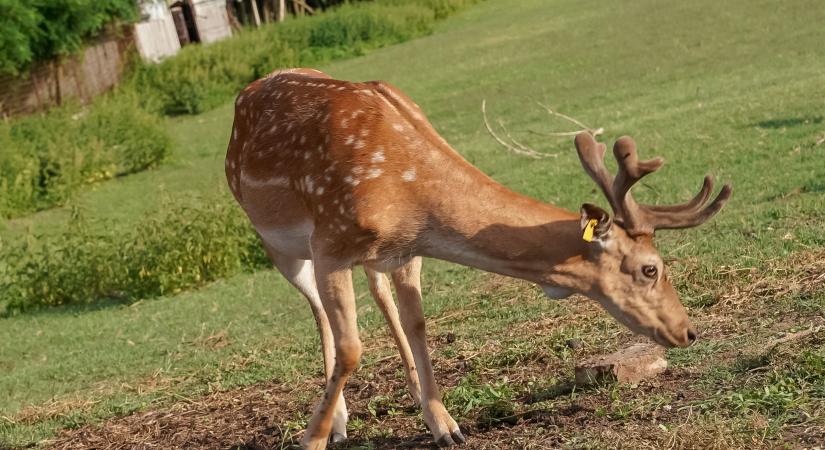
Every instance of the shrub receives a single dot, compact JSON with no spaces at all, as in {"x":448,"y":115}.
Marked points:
{"x":45,"y":158}
{"x":45,"y":29}
{"x":202,"y":77}
{"x":179,"y":247}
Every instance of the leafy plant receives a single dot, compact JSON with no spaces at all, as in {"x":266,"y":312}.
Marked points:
{"x":45,"y":158}
{"x":181,"y":246}
{"x":489,"y":402}
{"x":37,"y":30}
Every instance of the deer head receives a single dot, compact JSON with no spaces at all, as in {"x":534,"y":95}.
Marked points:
{"x":634,"y":286}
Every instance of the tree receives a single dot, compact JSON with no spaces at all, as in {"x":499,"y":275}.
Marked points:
{"x":40,"y":30}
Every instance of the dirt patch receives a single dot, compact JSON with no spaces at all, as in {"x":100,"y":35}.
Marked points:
{"x":545,"y":410}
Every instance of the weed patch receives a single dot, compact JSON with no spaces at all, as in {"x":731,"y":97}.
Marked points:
{"x":181,"y":246}
{"x":490,"y":403}
{"x":46,"y":158}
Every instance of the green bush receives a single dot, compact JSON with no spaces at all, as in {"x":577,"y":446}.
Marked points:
{"x":179,"y":247}
{"x":44,"y":158}
{"x":202,"y":77}
{"x":38,"y":30}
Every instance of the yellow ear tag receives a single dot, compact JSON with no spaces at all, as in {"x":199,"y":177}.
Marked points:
{"x":588,"y":230}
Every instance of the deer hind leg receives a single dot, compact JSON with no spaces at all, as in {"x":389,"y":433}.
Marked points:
{"x":407,"y":280}
{"x":381,"y":292}
{"x":300,"y":273}
{"x":336,"y":293}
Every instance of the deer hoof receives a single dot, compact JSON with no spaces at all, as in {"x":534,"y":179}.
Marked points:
{"x":458,"y":438}
{"x":448,"y":440}
{"x":337,"y":437}
{"x":445,"y":441}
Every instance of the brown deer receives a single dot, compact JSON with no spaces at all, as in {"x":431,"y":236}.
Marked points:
{"x":334,"y":174}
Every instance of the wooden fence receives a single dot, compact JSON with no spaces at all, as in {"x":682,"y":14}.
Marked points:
{"x":97,"y":69}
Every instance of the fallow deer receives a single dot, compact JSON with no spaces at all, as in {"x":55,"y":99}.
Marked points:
{"x":335,"y":174}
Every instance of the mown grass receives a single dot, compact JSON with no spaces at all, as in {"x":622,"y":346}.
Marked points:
{"x":699,"y":83}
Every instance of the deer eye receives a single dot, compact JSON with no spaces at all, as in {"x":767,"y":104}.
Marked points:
{"x":650,"y":271}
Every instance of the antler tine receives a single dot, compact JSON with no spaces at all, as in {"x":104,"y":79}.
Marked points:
{"x":661,"y":220}
{"x":591,"y":155}
{"x":637,"y":218}
{"x":631,"y":170}
{"x":694,"y":205}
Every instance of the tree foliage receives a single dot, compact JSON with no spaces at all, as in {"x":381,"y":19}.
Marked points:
{"x":37,"y":30}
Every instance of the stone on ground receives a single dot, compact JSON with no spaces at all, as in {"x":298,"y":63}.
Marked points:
{"x":631,"y":365}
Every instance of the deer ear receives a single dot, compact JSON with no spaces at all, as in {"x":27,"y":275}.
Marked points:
{"x":595,"y":223}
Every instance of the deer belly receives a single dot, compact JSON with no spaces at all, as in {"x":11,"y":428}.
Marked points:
{"x":290,"y":240}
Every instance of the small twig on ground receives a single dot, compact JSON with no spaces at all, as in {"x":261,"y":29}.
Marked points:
{"x":517,"y":148}
{"x":594,"y":131}
{"x":820,"y":141}
{"x":520,"y":149}
{"x":794,"y":336}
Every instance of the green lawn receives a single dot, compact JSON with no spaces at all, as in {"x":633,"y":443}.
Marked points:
{"x":732,"y":88}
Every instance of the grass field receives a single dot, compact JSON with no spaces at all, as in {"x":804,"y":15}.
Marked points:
{"x":732,"y":88}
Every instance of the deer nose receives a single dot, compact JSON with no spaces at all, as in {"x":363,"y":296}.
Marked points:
{"x":691,"y":336}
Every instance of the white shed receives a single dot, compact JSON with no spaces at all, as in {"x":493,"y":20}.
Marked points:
{"x":211,"y":20}
{"x":155,"y":34}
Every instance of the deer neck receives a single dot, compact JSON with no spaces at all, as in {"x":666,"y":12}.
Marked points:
{"x":479,"y":223}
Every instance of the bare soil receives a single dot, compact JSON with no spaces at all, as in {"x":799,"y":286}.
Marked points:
{"x":658,"y":413}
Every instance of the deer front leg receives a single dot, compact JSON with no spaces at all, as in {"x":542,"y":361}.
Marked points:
{"x":407,"y":280}
{"x":380,"y":289}
{"x":338,"y":299}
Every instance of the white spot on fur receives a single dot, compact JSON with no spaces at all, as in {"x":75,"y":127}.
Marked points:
{"x":365,"y":132}
{"x":409,"y":175}
{"x":378,"y":157}
{"x":320,"y":208}
{"x":357,"y":170}
{"x":350,"y":139}
{"x":319,"y":190}
{"x":373,"y":173}
{"x":309,"y":183}
{"x":398,"y":127}
{"x":359,"y":144}
{"x":303,"y":139}
{"x":353,"y":181}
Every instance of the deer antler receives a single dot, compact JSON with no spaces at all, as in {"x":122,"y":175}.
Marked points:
{"x":636,"y":218}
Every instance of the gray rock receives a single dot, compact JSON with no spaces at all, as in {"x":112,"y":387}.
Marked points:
{"x":631,"y":365}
